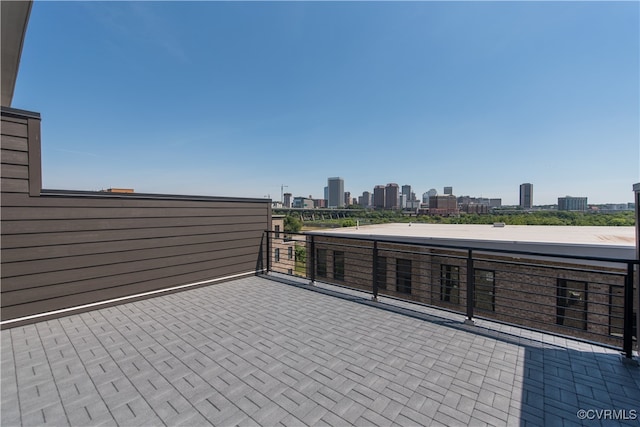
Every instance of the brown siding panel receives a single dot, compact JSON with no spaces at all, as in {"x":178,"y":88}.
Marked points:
{"x":14,"y":157}
{"x":12,"y":185}
{"x":12,"y":128}
{"x":14,"y":143}
{"x":62,"y":249}
{"x":15,"y":171}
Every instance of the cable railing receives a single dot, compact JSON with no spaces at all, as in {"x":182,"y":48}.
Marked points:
{"x":584,"y":297}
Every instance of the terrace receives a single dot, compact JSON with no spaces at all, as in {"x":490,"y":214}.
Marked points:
{"x":270,"y":350}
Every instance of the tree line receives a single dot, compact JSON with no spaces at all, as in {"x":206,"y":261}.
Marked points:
{"x":625,"y":218}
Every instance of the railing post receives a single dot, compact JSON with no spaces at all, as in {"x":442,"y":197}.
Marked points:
{"x":375,"y":270}
{"x":312,"y":260}
{"x":268,"y":251}
{"x":627,"y":334}
{"x":470,"y":288}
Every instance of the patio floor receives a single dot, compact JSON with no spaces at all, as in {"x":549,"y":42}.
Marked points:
{"x":256,"y":351}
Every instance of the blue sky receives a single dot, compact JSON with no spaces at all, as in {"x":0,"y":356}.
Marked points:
{"x":238,"y":98}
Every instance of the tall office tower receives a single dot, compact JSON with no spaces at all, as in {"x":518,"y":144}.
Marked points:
{"x":326,"y":195}
{"x":378,"y":196}
{"x":287,"y":200}
{"x":448,"y":191}
{"x":392,"y":196}
{"x":347,"y":198}
{"x":336,"y":192}
{"x":526,"y":196}
{"x":406,"y":191}
{"x":366,"y":199}
{"x":569,"y":203}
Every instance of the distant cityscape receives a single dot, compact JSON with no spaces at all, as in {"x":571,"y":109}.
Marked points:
{"x":402,"y":198}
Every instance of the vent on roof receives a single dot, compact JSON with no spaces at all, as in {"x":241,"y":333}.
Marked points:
{"x":498,"y":224}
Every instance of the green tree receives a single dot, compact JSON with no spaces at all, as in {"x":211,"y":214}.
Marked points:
{"x":292,"y":224}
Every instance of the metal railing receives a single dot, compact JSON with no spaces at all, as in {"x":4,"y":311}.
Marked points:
{"x":584,"y":297}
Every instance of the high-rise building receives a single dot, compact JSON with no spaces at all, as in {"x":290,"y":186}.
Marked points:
{"x":526,"y":196}
{"x":287,"y":200}
{"x":402,"y":203}
{"x":378,"y":196}
{"x":448,"y":191}
{"x":406,"y":191}
{"x":431,"y":193}
{"x":569,"y":203}
{"x":336,"y":192}
{"x":366,"y":199}
{"x":347,"y":198}
{"x":326,"y":195}
{"x":392,"y":196}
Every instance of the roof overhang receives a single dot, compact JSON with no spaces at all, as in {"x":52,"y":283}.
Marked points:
{"x":14,"y":18}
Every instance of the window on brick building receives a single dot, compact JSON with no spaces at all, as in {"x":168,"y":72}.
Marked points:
{"x":572,"y":304}
{"x":290,"y":252}
{"x":484,"y":297}
{"x":277,"y":230}
{"x":450,"y":283}
{"x":321,"y":262}
{"x":403,"y":276}
{"x":381,"y":272}
{"x":277,"y":255}
{"x":338,"y":265}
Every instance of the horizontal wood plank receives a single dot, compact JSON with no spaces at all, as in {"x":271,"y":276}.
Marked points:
{"x":121,"y":236}
{"x":14,"y":128}
{"x":53,"y":213}
{"x":55,"y":277}
{"x":111,"y":200}
{"x":14,"y":157}
{"x":36,"y":305}
{"x":116,"y":259}
{"x":53,"y":226}
{"x":14,"y":171}
{"x":15,"y":143}
{"x":13,"y":185}
{"x":81,"y":249}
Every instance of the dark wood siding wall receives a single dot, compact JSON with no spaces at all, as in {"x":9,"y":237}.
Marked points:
{"x":62,"y":249}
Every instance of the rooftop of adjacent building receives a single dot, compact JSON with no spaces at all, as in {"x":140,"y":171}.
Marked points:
{"x":614,"y":242}
{"x":257,"y":351}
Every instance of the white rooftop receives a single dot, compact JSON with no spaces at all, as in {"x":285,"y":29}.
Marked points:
{"x":614,"y":242}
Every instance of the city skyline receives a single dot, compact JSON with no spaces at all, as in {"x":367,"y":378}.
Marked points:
{"x":382,"y":201}
{"x":235,"y":98}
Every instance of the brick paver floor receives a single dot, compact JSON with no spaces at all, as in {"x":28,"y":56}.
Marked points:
{"x":258,"y":352}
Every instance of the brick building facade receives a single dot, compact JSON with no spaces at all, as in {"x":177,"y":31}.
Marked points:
{"x":573,"y":296}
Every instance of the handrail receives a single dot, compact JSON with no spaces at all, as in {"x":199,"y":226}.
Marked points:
{"x":364,"y":265}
